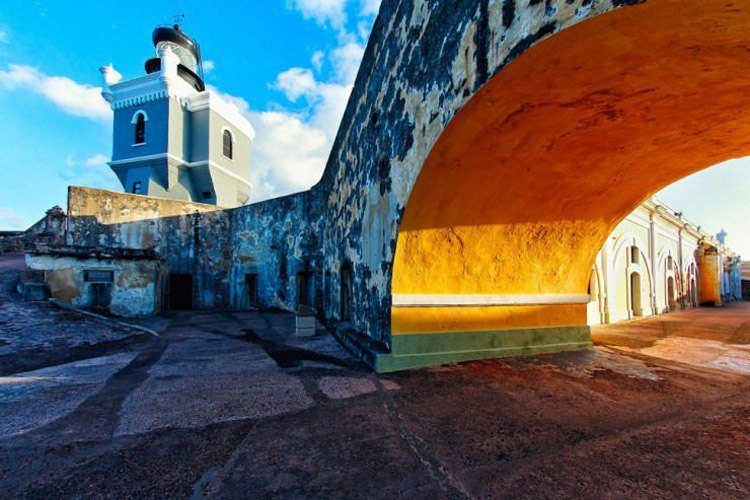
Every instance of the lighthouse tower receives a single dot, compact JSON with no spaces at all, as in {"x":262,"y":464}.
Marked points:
{"x":172,"y":137}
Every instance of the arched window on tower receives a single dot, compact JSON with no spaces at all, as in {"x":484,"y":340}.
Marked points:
{"x":139,"y":120}
{"x":227,"y":142}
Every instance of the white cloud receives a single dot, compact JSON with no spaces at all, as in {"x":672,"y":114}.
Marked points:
{"x":73,"y":98}
{"x":369,"y":7}
{"x":326,"y":101}
{"x":291,"y":149}
{"x":92,"y":172}
{"x":317,"y":60}
{"x":289,"y":154}
{"x":11,"y":220}
{"x":96,"y":161}
{"x":295,"y":83}
{"x":208,"y":66}
{"x":4,"y":38}
{"x":331,"y":12}
{"x":346,"y":60}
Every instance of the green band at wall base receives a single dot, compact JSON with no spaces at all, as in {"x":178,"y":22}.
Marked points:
{"x":432,"y":349}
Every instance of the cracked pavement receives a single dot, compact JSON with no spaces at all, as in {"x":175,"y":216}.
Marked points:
{"x":229,"y":404}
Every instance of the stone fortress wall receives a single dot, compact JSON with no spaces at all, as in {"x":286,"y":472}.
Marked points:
{"x":144,"y":240}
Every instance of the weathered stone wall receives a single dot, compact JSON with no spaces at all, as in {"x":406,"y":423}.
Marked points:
{"x":218,"y":247}
{"x":189,"y":237}
{"x":120,"y":220}
{"x":133,"y":293}
{"x":424,"y":61}
{"x":12,"y":242}
{"x":275,"y":240}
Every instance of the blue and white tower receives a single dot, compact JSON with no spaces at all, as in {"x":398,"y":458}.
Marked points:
{"x":172,"y":137}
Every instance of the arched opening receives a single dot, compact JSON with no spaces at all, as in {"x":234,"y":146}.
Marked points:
{"x":671,"y":303}
{"x":636,"y":307}
{"x":693,"y":294}
{"x":579,"y":129}
{"x":595,"y":310}
{"x":139,"y":127}
{"x":227,"y":144}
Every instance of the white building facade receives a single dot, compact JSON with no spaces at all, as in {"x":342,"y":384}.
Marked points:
{"x":657,"y":261}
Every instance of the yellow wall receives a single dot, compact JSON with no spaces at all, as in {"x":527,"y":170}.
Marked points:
{"x":711,"y":269}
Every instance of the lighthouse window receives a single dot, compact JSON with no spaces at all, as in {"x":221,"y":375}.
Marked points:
{"x":227,"y":139}
{"x":140,"y":129}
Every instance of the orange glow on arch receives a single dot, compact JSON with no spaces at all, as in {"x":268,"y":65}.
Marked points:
{"x":530,"y":177}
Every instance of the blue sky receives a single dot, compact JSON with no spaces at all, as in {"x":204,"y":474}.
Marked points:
{"x":288,"y":64}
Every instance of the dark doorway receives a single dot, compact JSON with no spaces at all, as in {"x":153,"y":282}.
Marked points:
{"x":346,"y":292}
{"x":101,"y":295}
{"x":304,"y":282}
{"x":180,"y":296}
{"x":251,"y":285}
{"x":327,"y":290}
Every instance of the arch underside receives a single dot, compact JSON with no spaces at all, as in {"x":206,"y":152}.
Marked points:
{"x":530,"y":177}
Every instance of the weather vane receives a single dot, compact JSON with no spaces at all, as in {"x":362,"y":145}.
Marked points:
{"x":177,"y":18}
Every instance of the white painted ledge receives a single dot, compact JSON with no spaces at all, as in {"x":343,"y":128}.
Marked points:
{"x":468,"y":300}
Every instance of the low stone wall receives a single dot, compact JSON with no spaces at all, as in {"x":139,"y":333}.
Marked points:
{"x":47,"y":230}
{"x":133,"y":291}
{"x":119,"y":220}
{"x":272,"y":241}
{"x":13,"y":243}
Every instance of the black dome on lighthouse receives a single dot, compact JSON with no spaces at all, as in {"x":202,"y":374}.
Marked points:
{"x":189,"y":52}
{"x":175,"y":35}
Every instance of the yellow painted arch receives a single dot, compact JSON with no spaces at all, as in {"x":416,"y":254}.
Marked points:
{"x":526,"y":182}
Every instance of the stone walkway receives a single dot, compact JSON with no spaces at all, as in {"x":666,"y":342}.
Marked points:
{"x":703,"y":337}
{"x":231,"y":405}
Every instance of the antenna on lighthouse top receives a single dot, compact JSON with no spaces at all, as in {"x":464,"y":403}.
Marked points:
{"x":177,"y":18}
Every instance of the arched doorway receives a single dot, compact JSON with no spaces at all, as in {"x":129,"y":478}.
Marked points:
{"x":636,"y":306}
{"x":693,"y":294}
{"x":595,"y":310}
{"x":670,"y":294}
